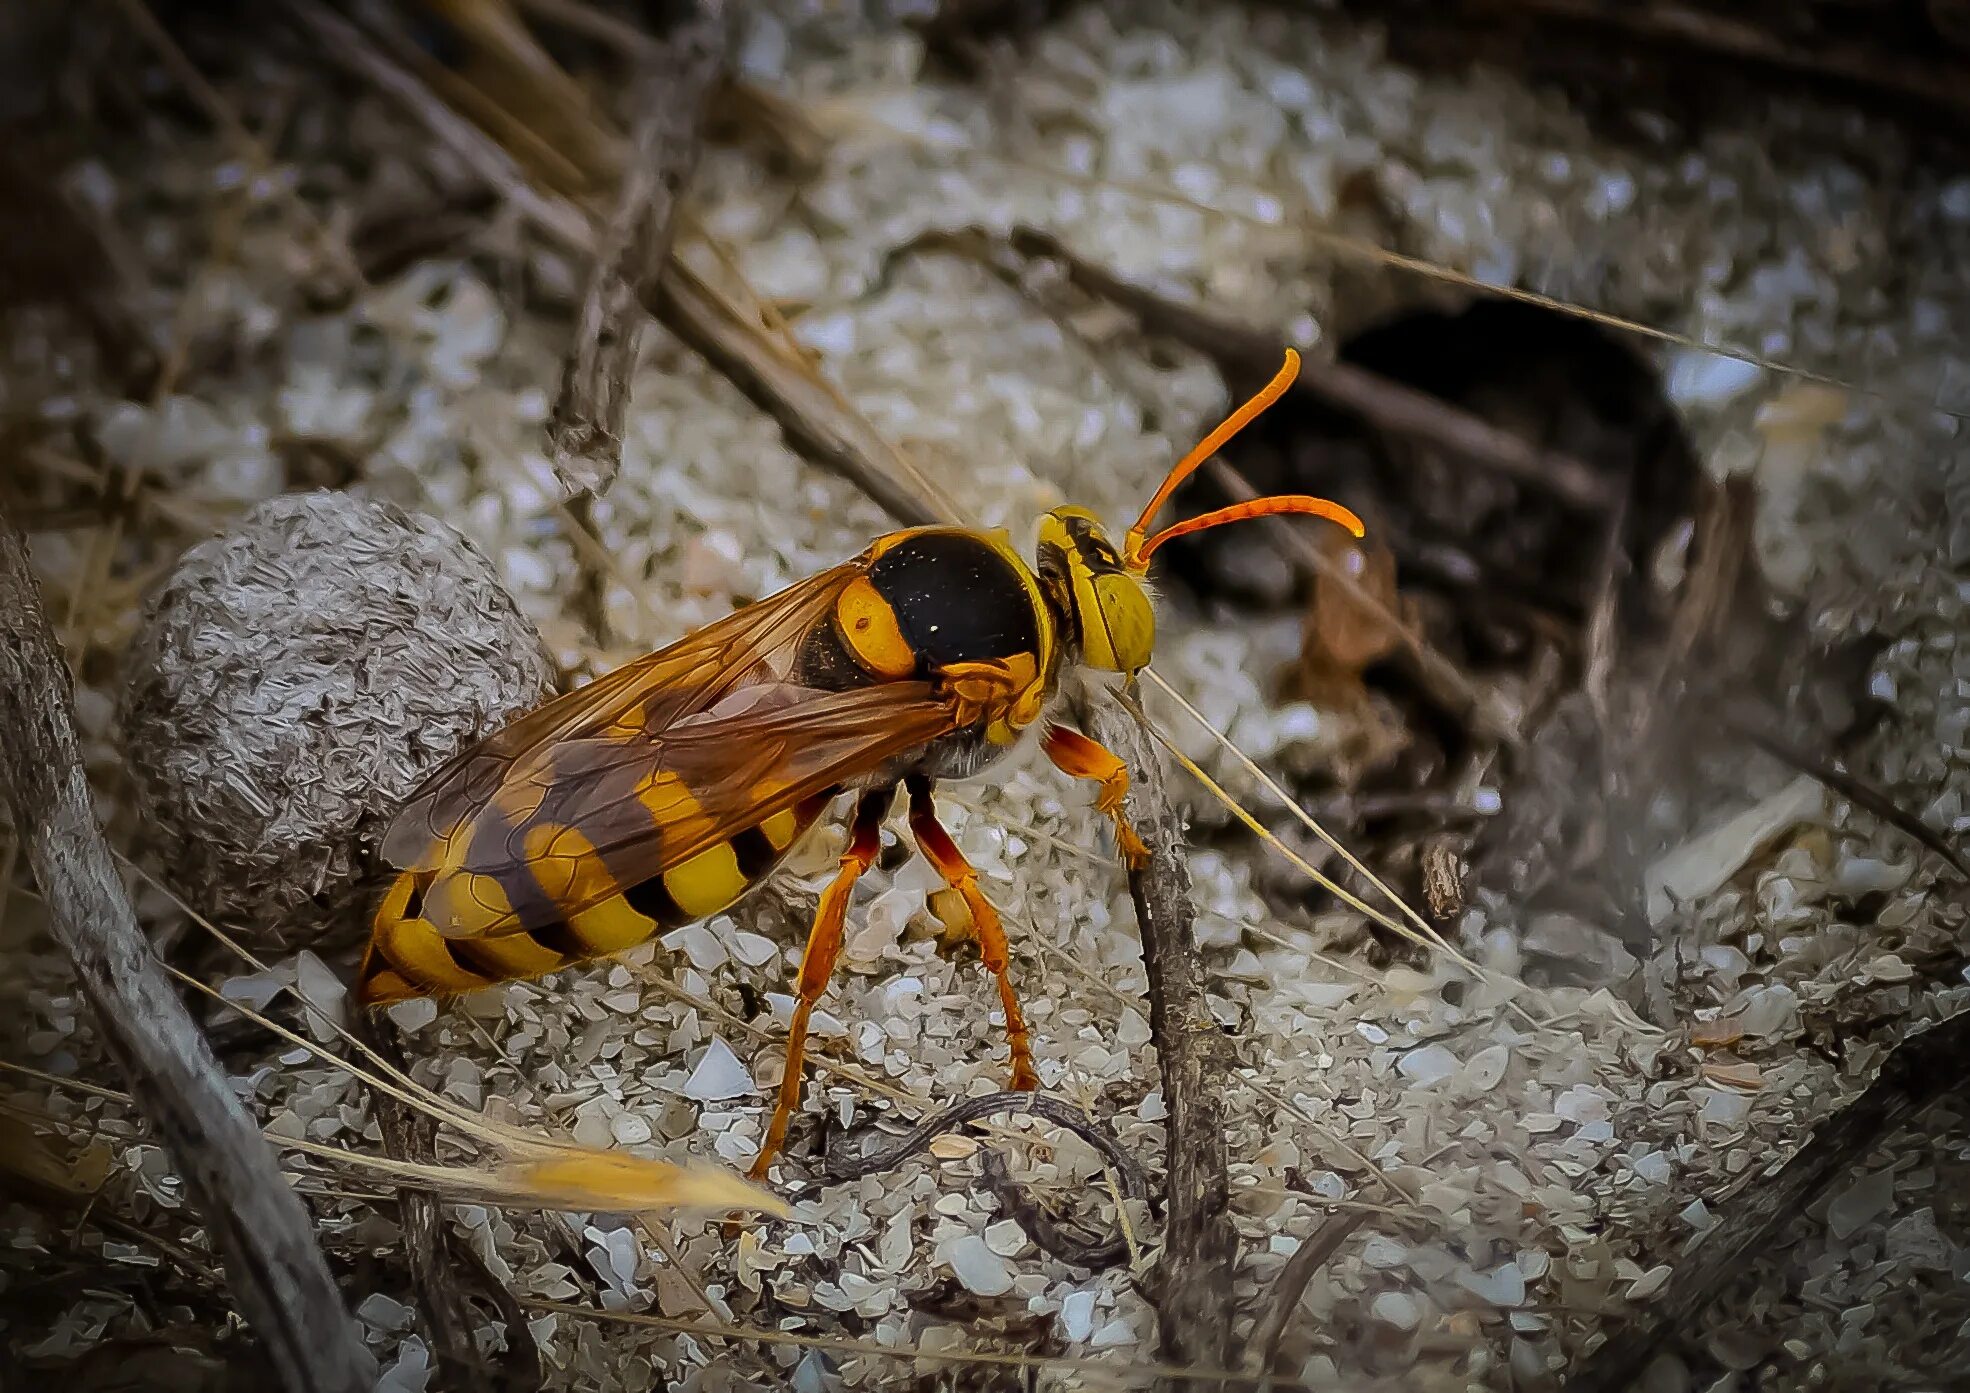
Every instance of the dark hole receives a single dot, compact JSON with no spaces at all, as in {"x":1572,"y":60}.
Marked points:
{"x":1456,"y":526}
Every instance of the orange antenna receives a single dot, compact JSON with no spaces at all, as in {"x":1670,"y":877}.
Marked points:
{"x":1137,"y":547}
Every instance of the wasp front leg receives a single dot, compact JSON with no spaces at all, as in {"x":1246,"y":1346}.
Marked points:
{"x":817,"y":962}
{"x":1076,"y":755}
{"x":943,"y":853}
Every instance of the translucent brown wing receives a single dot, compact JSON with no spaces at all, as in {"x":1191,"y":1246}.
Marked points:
{"x":600,"y":815}
{"x":638,"y":702}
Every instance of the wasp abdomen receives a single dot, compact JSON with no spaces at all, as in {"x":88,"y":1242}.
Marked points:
{"x":408,"y":957}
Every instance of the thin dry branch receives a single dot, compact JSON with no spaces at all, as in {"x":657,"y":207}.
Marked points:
{"x":1756,"y":727}
{"x":1193,"y":1289}
{"x":1923,"y":1069}
{"x":262,"y":1232}
{"x":410,"y":1134}
{"x":1290,"y":1285}
{"x":819,"y":425}
{"x":668,"y":95}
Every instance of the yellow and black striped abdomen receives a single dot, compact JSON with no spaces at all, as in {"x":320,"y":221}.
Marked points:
{"x":408,"y":957}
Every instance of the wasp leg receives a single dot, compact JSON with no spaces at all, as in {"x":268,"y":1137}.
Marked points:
{"x":938,"y":848}
{"x":817,"y":962}
{"x":1076,"y":755}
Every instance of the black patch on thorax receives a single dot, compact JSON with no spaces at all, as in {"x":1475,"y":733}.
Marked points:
{"x":957,"y":599}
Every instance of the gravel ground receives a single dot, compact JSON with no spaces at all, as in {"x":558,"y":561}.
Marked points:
{"x":1527,"y":1160}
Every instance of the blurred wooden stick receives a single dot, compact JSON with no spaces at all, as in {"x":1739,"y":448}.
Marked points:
{"x":668,"y":95}
{"x":1194,"y":1289}
{"x":273,"y":1265}
{"x":819,"y":424}
{"x":1923,"y":1069}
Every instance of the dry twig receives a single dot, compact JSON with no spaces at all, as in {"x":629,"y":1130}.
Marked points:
{"x":1852,"y":787}
{"x":1039,"y":1226}
{"x":1194,"y":1290}
{"x":1291,"y":1283}
{"x":1923,"y":1069}
{"x":412,"y":1135}
{"x":819,"y":425}
{"x":276,"y":1270}
{"x":668,"y":96}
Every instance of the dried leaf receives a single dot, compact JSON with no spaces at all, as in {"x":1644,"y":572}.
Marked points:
{"x":1717,"y":1034}
{"x":618,"y":1182}
{"x":1747,"y":1078}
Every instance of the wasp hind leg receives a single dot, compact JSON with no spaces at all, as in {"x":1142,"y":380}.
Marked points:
{"x":817,"y":962}
{"x":1076,"y":755}
{"x":938,"y":848}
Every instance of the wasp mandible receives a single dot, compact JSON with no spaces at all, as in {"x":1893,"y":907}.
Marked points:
{"x":661,"y":793}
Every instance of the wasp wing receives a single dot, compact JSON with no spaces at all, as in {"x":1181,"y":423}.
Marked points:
{"x":636,"y":702}
{"x":598,"y":816}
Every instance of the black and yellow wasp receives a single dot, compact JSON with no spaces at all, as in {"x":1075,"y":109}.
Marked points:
{"x":661,"y":793}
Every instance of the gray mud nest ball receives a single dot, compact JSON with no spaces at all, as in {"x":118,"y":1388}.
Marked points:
{"x":295,"y":679}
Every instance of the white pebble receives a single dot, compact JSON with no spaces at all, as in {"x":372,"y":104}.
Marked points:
{"x":1702,"y":379}
{"x":978,"y":1269}
{"x":1649,"y":1283}
{"x":1769,"y":1010}
{"x":1722,"y":1108}
{"x":1502,"y":1286}
{"x":324,"y":991}
{"x":380,"y":1312}
{"x":1653,"y":1168}
{"x":1396,"y":1308}
{"x":1486,"y":1069}
{"x":719,"y":1075}
{"x":754,"y":950}
{"x":413,"y":1015}
{"x":1005,"y":1238}
{"x":1077,"y":1315}
{"x":1116,"y":1332}
{"x":1428,"y":1065}
{"x":628,"y":1129}
{"x":411,"y":1372}
{"x":1860,"y":1202}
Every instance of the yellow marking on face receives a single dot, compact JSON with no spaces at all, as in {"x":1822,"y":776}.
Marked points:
{"x":1128,"y":618}
{"x":867,"y":623}
{"x":708,"y":882}
{"x":781,"y":829}
{"x":1117,"y":622}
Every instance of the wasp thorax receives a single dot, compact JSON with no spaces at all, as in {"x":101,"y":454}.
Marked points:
{"x":1103,"y":604}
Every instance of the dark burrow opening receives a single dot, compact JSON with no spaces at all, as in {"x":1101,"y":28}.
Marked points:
{"x":1497,"y":639}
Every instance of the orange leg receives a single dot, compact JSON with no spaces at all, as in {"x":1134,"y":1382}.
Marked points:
{"x":938,"y":848}
{"x":1074,"y":754}
{"x":817,"y":962}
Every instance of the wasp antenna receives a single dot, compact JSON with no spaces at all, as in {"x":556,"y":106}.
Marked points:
{"x":1210,"y":445}
{"x":1139,"y":544}
{"x":1253,"y":508}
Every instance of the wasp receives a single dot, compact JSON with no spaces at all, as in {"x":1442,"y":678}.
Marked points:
{"x":662,"y":793}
